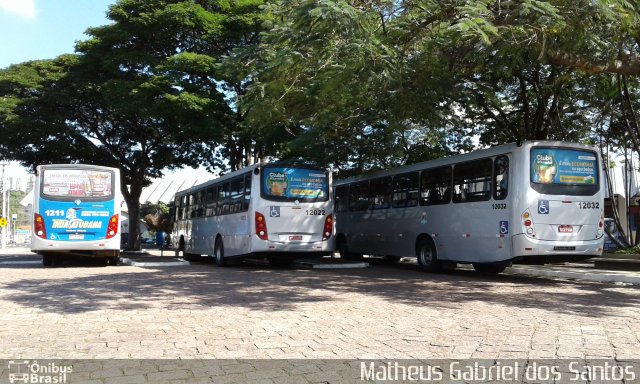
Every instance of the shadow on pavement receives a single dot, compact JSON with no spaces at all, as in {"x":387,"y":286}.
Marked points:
{"x":258,"y":287}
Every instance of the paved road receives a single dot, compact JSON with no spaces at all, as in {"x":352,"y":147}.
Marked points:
{"x":256,"y":312}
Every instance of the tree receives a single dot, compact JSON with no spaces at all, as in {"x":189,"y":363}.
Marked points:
{"x":143,"y":95}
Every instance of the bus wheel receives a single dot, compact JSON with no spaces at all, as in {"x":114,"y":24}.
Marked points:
{"x":345,"y":254}
{"x":392,"y":259}
{"x":47,"y":260}
{"x":219,"y":253}
{"x":113,"y":260}
{"x":427,"y":255}
{"x":490,"y":269}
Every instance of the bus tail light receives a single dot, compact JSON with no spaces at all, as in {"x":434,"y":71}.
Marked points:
{"x":328,"y":228}
{"x":38,"y":226}
{"x":112,"y":228}
{"x":527,"y":224}
{"x":600,"y":230}
{"x":261,"y":226}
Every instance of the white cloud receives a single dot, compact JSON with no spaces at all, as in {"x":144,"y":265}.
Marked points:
{"x":22,"y":8}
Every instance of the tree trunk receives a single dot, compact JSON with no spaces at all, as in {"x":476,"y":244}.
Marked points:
{"x":132,"y":198}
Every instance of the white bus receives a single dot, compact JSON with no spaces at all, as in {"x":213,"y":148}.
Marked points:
{"x":538,"y":202}
{"x":76,"y":211}
{"x":278,"y":211}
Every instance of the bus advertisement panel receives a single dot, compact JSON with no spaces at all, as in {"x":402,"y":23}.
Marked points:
{"x":294,"y":184}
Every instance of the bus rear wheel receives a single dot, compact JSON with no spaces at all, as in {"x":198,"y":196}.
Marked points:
{"x":47,"y":260}
{"x":218,"y":253}
{"x":427,"y":255}
{"x":113,"y":260}
{"x":343,"y":249}
{"x":489,"y":269}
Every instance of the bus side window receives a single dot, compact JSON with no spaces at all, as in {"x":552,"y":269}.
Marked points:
{"x":192,"y":205}
{"x":183,"y":207}
{"x":223,"y":198}
{"x":199,"y":204}
{"x":359,"y":196}
{"x":435,"y":186}
{"x":237,"y":195}
{"x":380,"y":197}
{"x":501,"y":177}
{"x":405,"y":190}
{"x":210,"y":201}
{"x":342,"y":198}
{"x":247,"y":192}
{"x":471,"y":181}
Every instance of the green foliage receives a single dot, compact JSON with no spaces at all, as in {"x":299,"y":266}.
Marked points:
{"x":146,"y":93}
{"x":156,"y":216}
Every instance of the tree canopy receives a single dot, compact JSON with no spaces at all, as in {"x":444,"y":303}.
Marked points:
{"x":349,"y":84}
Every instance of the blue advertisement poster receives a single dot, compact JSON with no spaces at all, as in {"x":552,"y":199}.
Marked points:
{"x":295,"y":183}
{"x":76,"y":220}
{"x":563,"y":166}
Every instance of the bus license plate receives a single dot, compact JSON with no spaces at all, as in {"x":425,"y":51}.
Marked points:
{"x":76,"y":237}
{"x":295,"y":238}
{"x":565,"y":229}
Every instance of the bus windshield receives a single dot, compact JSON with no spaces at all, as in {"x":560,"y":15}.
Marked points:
{"x":282,"y":183}
{"x":70,"y":184}
{"x":560,"y":171}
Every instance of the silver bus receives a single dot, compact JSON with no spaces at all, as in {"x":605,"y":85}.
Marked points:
{"x":538,"y":202}
{"x":278,"y":211}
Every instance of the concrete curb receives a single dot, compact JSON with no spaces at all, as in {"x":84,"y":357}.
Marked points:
{"x":312,"y":265}
{"x":127,"y":261}
{"x":600,"y":276}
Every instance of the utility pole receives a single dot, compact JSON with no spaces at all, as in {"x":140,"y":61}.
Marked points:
{"x":3,"y":241}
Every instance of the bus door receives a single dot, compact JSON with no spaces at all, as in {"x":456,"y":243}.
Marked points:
{"x":474,"y":234}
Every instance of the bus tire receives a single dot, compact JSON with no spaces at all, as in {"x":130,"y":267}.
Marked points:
{"x":113,"y":260}
{"x":490,"y":268}
{"x":218,"y":253}
{"x":57,"y":260}
{"x":343,"y":249}
{"x":47,"y":260}
{"x":427,"y":255}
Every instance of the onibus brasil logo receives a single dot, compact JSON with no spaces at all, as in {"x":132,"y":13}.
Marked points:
{"x":26,"y":371}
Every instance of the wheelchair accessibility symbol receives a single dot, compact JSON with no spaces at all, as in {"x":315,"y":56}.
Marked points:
{"x":543,"y":207}
{"x":274,"y":211}
{"x":504,"y":227}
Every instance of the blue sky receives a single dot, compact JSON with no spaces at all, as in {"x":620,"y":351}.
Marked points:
{"x":44,"y":29}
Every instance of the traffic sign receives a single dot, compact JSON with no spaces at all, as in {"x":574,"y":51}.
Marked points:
{"x":3,"y":222}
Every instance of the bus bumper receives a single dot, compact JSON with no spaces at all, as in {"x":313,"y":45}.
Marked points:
{"x":95,"y":249}
{"x":526,"y":248}
{"x":313,"y":249}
